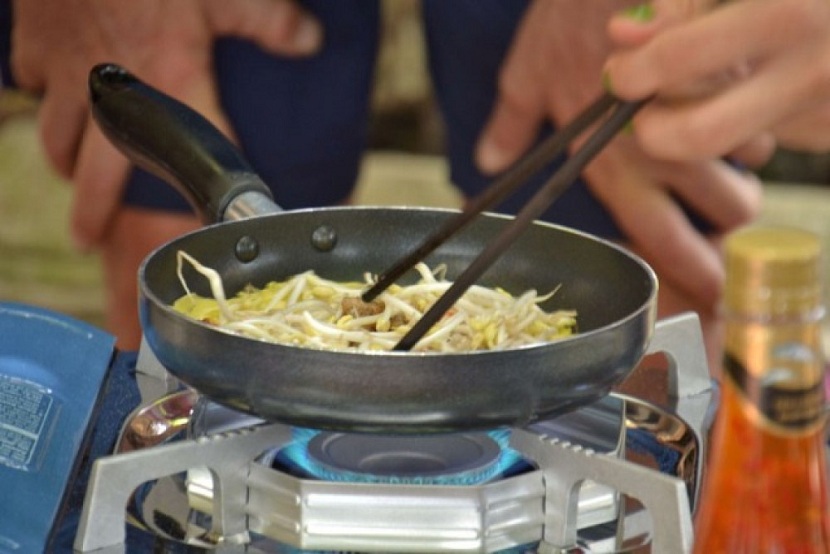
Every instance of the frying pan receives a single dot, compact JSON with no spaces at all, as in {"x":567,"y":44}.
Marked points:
{"x":248,"y":239}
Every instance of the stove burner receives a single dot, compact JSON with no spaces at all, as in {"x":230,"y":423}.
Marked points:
{"x":452,"y":459}
{"x":213,"y":487}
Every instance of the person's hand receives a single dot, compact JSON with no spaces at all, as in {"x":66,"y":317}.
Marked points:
{"x":168,"y":44}
{"x":554,"y":69}
{"x":724,"y":75}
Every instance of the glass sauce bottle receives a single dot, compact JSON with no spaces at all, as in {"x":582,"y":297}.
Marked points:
{"x":765,"y":489}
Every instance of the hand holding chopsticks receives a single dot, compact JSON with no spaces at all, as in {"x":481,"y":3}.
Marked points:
{"x":616,"y":115}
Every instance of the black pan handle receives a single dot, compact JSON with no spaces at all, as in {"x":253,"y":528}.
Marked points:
{"x":171,"y":140}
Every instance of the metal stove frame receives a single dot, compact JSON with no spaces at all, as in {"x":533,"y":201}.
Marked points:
{"x":539,"y":506}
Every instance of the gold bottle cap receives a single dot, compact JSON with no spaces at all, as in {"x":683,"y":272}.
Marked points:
{"x":773,"y":271}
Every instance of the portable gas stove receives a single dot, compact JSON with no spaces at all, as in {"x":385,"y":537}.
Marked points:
{"x":619,"y":475}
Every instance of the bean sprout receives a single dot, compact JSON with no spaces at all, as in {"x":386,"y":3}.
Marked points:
{"x":310,"y":311}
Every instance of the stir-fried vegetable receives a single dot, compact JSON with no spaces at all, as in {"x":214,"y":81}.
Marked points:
{"x":307,"y":310}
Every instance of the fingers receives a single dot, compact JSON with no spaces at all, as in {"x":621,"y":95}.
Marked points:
{"x":635,"y":25}
{"x":516,"y":117}
{"x":642,"y":195}
{"x":678,"y":252}
{"x":551,"y":72}
{"x":61,"y":123}
{"x":717,"y":124}
{"x":167,"y":44}
{"x":748,"y":69}
{"x":509,"y":132}
{"x":520,"y":107}
{"x":279,"y":26}
{"x":755,"y":152}
{"x":726,"y":197}
{"x":712,"y":44}
{"x":808,"y":130}
{"x":99,"y":182}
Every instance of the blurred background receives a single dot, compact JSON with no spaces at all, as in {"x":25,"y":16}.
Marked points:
{"x":404,"y":166}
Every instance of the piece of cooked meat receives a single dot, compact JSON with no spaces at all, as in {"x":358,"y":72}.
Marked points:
{"x":355,"y":307}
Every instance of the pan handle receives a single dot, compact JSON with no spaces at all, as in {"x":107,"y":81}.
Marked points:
{"x":171,"y":140}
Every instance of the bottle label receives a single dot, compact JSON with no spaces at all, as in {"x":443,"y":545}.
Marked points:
{"x":790,"y":393}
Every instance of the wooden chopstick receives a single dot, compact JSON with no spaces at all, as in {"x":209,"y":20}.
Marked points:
{"x":500,"y":189}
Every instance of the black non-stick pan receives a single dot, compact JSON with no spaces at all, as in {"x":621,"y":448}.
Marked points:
{"x":253,"y":241}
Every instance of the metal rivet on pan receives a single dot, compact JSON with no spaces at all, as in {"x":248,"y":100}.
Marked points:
{"x":247,"y":249}
{"x":324,"y":238}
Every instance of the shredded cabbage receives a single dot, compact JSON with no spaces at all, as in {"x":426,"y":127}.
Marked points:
{"x":310,"y":311}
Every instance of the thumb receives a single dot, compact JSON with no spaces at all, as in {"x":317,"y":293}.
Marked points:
{"x":279,"y":26}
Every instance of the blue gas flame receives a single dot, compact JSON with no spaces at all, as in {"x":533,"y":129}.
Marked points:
{"x":296,"y":452}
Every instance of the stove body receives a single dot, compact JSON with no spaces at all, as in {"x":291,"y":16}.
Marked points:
{"x":198,"y":477}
